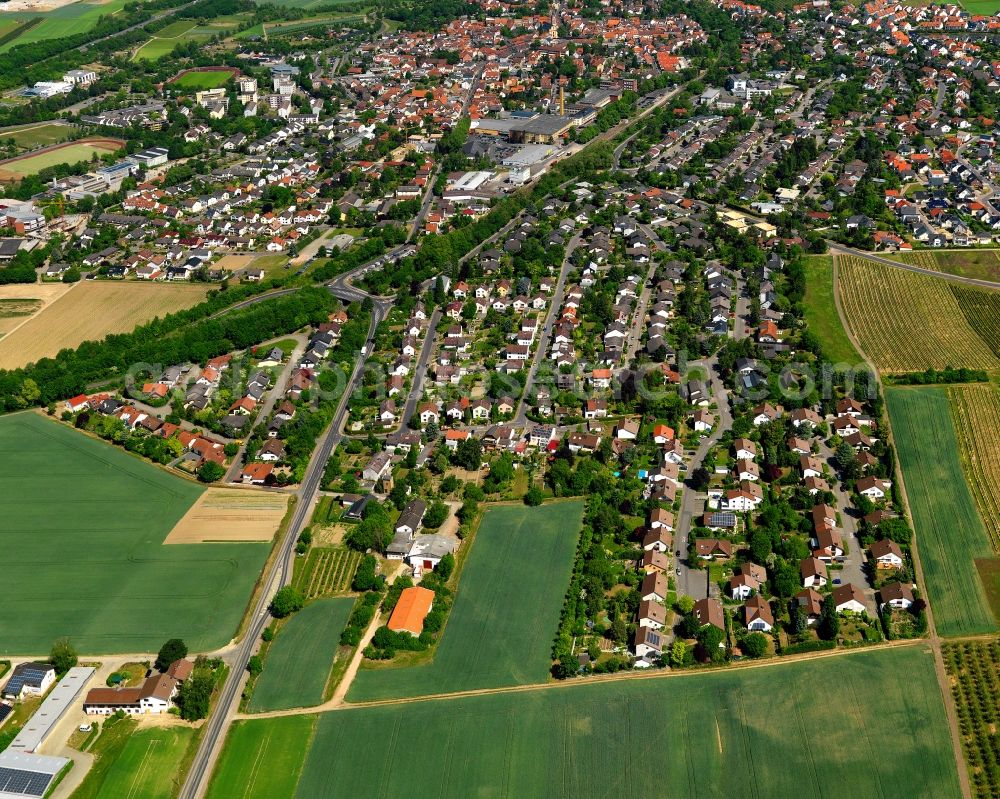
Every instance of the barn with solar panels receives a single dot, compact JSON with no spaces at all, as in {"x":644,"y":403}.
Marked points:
{"x":23,"y":776}
{"x":29,"y":679}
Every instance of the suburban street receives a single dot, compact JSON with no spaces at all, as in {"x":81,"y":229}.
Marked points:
{"x":555,"y":303}
{"x":694,"y":582}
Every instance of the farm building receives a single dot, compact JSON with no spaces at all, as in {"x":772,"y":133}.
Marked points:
{"x":427,"y":550}
{"x":412,"y":608}
{"x":29,"y":679}
{"x":153,"y":696}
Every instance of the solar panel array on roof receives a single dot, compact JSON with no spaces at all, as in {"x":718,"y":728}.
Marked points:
{"x":5,"y":710}
{"x":722,"y":520}
{"x":26,"y":673}
{"x":27,"y":783}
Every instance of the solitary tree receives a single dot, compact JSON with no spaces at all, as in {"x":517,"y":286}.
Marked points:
{"x":172,"y":650}
{"x":63,"y":655}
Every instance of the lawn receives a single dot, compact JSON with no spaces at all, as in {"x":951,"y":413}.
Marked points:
{"x":506,"y":609}
{"x":74,"y":153}
{"x":82,"y":525}
{"x":299,"y":661}
{"x":821,"y":311}
{"x":149,"y":765}
{"x":262,"y":759}
{"x":767,"y":733}
{"x":950,"y":535}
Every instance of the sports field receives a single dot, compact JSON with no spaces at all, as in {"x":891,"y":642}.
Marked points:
{"x":263,"y":759}
{"x":821,"y":311}
{"x":166,"y":39}
{"x":81,"y":527}
{"x":298,"y":662}
{"x":71,"y":153}
{"x":506,"y":610}
{"x":28,"y":137}
{"x":149,"y":765}
{"x":764,"y":733}
{"x":203,"y":79}
{"x":67,"y":20}
{"x":949,"y":533}
{"x":91,"y":310}
{"x":906,"y":321}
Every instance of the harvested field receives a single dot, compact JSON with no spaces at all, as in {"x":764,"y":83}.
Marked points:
{"x":975,"y":410}
{"x":91,"y":310}
{"x":233,"y":263}
{"x":20,"y":301}
{"x":13,"y":169}
{"x":230,"y":514}
{"x":908,"y":322}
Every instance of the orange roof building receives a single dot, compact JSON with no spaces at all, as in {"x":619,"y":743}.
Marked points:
{"x":412,"y":608}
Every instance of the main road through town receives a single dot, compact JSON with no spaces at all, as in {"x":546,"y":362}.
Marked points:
{"x":279,"y":572}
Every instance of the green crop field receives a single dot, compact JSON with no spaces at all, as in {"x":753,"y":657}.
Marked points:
{"x":65,"y":21}
{"x":149,"y":765}
{"x":81,"y":527}
{"x":821,"y":311}
{"x":765,"y":733}
{"x":299,"y":661}
{"x":985,"y":7}
{"x":506,"y":610}
{"x":950,"y":534}
{"x":263,"y":759}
